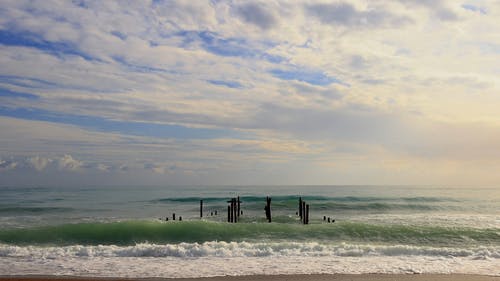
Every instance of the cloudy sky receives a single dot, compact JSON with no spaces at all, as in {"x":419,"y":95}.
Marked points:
{"x":230,"y":92}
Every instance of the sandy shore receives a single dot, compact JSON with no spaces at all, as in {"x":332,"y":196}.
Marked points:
{"x":313,"y":277}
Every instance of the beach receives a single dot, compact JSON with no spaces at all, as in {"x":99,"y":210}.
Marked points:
{"x":312,"y":277}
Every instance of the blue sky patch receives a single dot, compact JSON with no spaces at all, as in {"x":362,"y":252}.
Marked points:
{"x":123,"y":127}
{"x":474,"y":8}
{"x":119,"y":35}
{"x":13,"y":94}
{"x":26,"y":82}
{"x":311,"y":77}
{"x":140,"y":68}
{"x":229,"y":84}
{"x":33,"y":40}
{"x":227,"y":47}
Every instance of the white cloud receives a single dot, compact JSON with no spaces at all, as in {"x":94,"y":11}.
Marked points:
{"x":39,"y":163}
{"x":6,"y":165}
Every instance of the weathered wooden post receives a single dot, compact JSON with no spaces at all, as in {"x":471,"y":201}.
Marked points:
{"x":239,"y":207}
{"x":307,"y":214}
{"x":228,"y":213}
{"x":232,"y":210}
{"x":328,"y":219}
{"x":324,"y":218}
{"x":201,"y":208}
{"x":180,"y":218}
{"x":235,"y":210}
{"x":303,"y":217}
{"x":270,"y":215}
{"x":268,"y":209}
{"x":300,"y":207}
{"x":173,"y":216}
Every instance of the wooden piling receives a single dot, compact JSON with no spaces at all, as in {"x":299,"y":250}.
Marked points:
{"x":303,"y":216}
{"x":268,"y":209}
{"x":300,"y":207}
{"x":239,"y":207}
{"x":232,"y":211}
{"x":180,"y":218}
{"x":307,"y":214}
{"x":328,"y":219}
{"x":201,"y":208}
{"x":228,"y":213}
{"x":173,"y":216}
{"x":324,"y":218}
{"x":235,"y":211}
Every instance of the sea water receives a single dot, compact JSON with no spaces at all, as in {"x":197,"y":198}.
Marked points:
{"x":123,"y":232}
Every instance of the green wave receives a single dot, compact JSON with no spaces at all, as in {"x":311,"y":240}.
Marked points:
{"x":132,"y":232}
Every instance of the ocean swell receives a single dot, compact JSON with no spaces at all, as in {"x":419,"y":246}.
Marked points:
{"x":133,"y":232}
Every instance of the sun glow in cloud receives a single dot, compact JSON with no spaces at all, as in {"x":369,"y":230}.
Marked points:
{"x":225,"y":92}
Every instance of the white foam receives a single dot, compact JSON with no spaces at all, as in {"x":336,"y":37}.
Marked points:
{"x":222,"y":258}
{"x":246,"y":249}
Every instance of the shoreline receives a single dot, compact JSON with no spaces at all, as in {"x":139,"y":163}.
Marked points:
{"x":293,"y":277}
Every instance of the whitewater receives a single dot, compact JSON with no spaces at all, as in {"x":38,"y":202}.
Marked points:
{"x":123,"y":232}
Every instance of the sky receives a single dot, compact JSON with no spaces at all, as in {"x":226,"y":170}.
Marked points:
{"x":249,"y":92}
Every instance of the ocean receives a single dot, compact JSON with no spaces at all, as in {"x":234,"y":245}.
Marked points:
{"x":123,"y":232}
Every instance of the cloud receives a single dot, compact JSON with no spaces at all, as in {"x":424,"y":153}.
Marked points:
{"x":226,"y":90}
{"x":346,"y":14}
{"x":39,"y":163}
{"x":438,"y":8}
{"x":6,"y":165}
{"x":257,"y":14}
{"x":68,"y":163}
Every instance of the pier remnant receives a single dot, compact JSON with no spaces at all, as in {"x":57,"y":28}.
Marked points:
{"x":201,"y":208}
{"x":304,"y":211}
{"x":303,"y":216}
{"x":268,"y":209}
{"x":307,"y":214}
{"x":233,"y":210}
{"x":300,"y":207}
{"x":239,"y":207}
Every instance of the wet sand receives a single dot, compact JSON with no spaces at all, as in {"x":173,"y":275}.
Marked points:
{"x":313,"y":277}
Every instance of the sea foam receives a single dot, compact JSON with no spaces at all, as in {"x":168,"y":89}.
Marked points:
{"x":243,"y":258}
{"x":246,"y":249}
